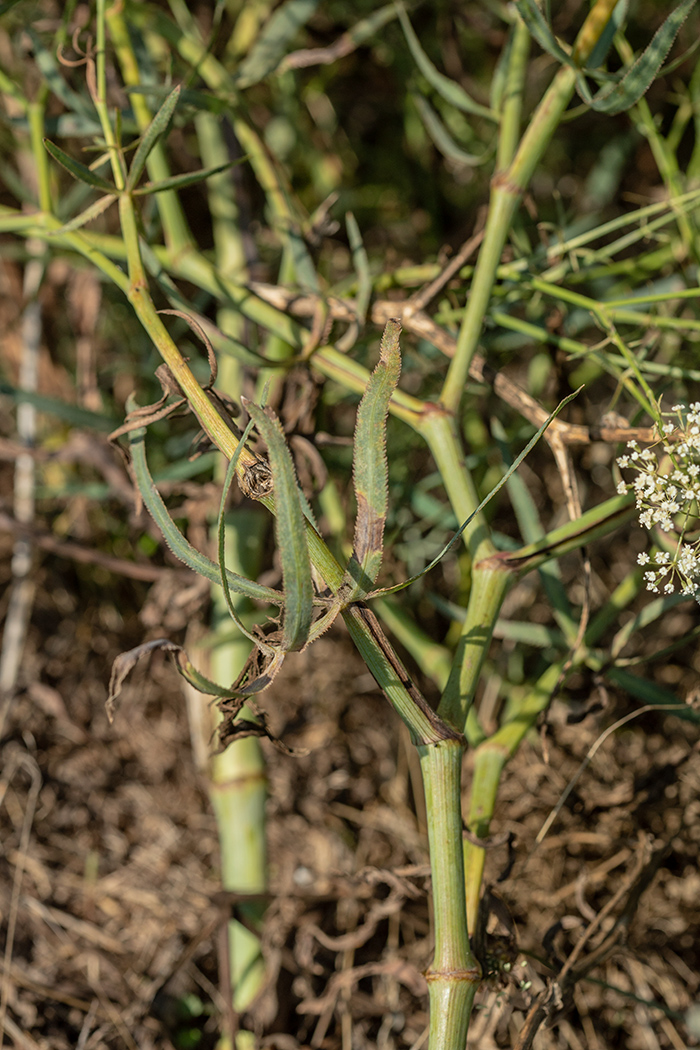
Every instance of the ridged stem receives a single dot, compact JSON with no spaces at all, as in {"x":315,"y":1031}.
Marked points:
{"x":507,"y":189}
{"x":454,"y":974}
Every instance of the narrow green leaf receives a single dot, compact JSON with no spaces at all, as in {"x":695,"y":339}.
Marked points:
{"x":304,"y":268}
{"x":536,"y":23}
{"x":198,"y":680}
{"x":640,"y":76}
{"x":650,"y":692}
{"x":86,"y":216}
{"x":648,"y":614}
{"x":188,"y":178}
{"x":174,"y":538}
{"x":451,"y":92}
{"x":617,"y":19}
{"x":536,"y":635}
{"x":361,"y":267}
{"x":73,"y":414}
{"x":151,"y":135}
{"x":290,"y":531}
{"x":370,"y":470}
{"x":442,"y":138}
{"x":77,"y":170}
{"x":270,"y":47}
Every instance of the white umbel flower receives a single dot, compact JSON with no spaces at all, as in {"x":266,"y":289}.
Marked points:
{"x":666,"y":487}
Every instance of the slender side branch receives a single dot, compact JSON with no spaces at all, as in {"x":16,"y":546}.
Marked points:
{"x":507,"y":189}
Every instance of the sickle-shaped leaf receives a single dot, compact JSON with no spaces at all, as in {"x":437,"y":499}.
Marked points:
{"x":370,"y":472}
{"x":290,"y":531}
{"x":151,"y":135}
{"x":183,"y":550}
{"x":442,"y":138}
{"x":451,"y":91}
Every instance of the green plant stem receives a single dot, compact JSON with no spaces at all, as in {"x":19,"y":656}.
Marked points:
{"x":177,"y":234}
{"x":100,"y":100}
{"x":509,"y":126}
{"x":439,"y":430}
{"x":507,"y":189}
{"x":238,"y":785}
{"x":489,"y":759}
{"x":35,"y":115}
{"x":489,"y":585}
{"x":454,"y":974}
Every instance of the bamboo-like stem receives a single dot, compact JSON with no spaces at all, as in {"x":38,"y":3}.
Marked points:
{"x":238,"y":784}
{"x":507,"y":189}
{"x":237,"y":776}
{"x":489,"y":585}
{"x":489,"y":759}
{"x":439,"y":430}
{"x":35,"y":115}
{"x":454,"y":974}
{"x":116,"y":158}
{"x":509,"y":125}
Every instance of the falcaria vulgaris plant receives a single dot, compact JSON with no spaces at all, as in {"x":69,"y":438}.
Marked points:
{"x":306,"y":321}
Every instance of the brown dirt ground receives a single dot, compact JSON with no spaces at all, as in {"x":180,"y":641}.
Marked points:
{"x":108,"y":875}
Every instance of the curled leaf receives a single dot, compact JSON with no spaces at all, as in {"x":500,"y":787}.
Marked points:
{"x":290,"y":531}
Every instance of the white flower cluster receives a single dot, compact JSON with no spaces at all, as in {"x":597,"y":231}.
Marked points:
{"x":667,"y":494}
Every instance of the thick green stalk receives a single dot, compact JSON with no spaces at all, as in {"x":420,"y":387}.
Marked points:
{"x":509,"y":126}
{"x":238,"y":784}
{"x":489,"y":759}
{"x":454,"y":974}
{"x":35,"y":115}
{"x":439,"y":430}
{"x":489,"y":585}
{"x":507,"y":190}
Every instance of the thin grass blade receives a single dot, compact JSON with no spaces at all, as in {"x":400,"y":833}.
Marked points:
{"x":537,"y":25}
{"x":221,"y":536}
{"x":361,"y":267}
{"x":91,"y":213}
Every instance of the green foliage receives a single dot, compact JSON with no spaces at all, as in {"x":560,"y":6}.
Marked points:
{"x":597,"y":277}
